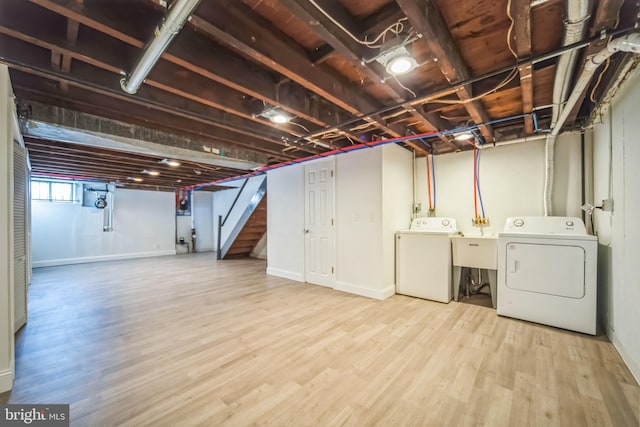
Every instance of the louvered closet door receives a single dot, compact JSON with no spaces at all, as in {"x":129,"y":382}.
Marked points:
{"x":20,"y":228}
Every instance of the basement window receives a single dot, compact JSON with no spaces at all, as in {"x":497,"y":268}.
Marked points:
{"x":54,"y":191}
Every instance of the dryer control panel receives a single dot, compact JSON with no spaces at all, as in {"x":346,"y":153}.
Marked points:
{"x":545,"y":225}
{"x":434,"y":223}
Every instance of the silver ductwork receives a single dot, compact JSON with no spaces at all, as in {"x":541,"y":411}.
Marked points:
{"x":628,"y":43}
{"x":164,"y":33}
{"x":575,"y":27}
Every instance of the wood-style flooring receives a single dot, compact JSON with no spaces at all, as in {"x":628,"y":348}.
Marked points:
{"x":186,"y":340}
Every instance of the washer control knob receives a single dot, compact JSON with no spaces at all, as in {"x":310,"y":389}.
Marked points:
{"x":569,"y":223}
{"x":518,"y":222}
{"x":445,"y":222}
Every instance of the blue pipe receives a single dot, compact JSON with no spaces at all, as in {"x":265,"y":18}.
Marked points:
{"x":433,"y":174}
{"x":347,"y":150}
{"x":536,"y":129}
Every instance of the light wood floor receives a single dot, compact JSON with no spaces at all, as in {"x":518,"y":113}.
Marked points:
{"x":186,"y":340}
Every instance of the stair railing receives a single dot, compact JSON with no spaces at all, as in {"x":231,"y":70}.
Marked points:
{"x":223,"y":248}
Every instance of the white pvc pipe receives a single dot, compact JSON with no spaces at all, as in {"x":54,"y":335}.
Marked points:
{"x":510,"y":141}
{"x":628,"y":43}
{"x":575,"y":27}
{"x":178,"y":15}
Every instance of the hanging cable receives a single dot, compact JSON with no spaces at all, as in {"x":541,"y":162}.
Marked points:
{"x":478,"y":182}
{"x":396,"y":28}
{"x":429,"y":183}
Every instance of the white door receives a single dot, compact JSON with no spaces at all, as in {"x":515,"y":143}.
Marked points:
{"x":318,"y":213}
{"x":20,"y":235}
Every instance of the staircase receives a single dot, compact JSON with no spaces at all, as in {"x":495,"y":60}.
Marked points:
{"x":246,"y":221}
{"x":252,"y":232}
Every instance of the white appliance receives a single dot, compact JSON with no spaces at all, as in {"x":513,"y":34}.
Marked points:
{"x":547,"y":272}
{"x":423,"y":259}
{"x":475,"y":252}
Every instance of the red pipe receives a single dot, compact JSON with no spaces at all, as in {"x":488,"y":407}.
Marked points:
{"x":342,"y":150}
{"x":429,"y":182}
{"x":475,"y":174}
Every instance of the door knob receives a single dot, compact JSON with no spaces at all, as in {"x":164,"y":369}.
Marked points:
{"x":306,"y":231}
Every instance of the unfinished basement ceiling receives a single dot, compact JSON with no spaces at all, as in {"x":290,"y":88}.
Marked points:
{"x":485,"y":64}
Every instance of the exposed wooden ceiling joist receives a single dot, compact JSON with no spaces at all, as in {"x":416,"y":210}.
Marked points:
{"x":427,"y":21}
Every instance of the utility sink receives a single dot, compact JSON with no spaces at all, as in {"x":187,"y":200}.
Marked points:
{"x":475,"y":251}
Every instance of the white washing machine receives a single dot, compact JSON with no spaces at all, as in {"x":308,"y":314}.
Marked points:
{"x":423,"y":259}
{"x":547,"y":270}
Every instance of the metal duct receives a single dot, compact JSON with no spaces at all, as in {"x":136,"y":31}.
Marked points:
{"x":628,"y":43}
{"x":164,"y":33}
{"x":575,"y":27}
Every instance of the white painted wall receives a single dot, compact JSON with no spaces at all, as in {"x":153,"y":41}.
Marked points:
{"x":359,"y":267}
{"x":144,"y":225}
{"x":616,"y":156}
{"x":511,"y":180}
{"x":285,"y":222}
{"x":203,"y":220}
{"x":7,"y":111}
{"x":397,"y":203}
{"x":373,"y":200}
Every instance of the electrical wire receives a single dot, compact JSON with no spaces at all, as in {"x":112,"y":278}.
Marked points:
{"x":404,"y":87}
{"x":299,"y":125}
{"x":512,"y":75}
{"x":599,"y":80}
{"x":515,"y":55}
{"x":429,"y":183}
{"x":396,"y":28}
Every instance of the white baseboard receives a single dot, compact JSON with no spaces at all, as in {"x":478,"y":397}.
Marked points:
{"x":291,"y":275}
{"x":116,"y":257}
{"x":379,"y":294}
{"x":6,"y":380}
{"x":626,"y":357}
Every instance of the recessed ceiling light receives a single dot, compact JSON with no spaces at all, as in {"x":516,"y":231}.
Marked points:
{"x":397,"y":61}
{"x":172,"y":163}
{"x":275,"y":115}
{"x":136,"y":179}
{"x":464,"y":136}
{"x":152,"y":173}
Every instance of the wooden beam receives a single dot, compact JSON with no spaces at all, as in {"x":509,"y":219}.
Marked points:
{"x":427,"y":21}
{"x":167,"y":76}
{"x":194,"y":53}
{"x":344,"y":45}
{"x":521,"y":13}
{"x":98,"y":83}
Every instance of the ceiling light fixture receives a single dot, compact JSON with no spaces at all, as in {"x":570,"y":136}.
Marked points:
{"x":172,"y":163}
{"x":397,"y":61}
{"x":136,"y":179}
{"x":464,"y":136}
{"x":275,"y":115}
{"x":152,"y":173}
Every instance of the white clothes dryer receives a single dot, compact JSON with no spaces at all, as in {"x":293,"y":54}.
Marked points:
{"x":423,"y":259}
{"x":547,"y":270}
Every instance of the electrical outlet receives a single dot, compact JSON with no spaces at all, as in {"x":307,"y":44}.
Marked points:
{"x":607,"y":205}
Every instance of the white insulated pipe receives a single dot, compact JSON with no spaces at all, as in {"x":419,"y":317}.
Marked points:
{"x":164,"y":33}
{"x":575,"y":27}
{"x":628,"y":43}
